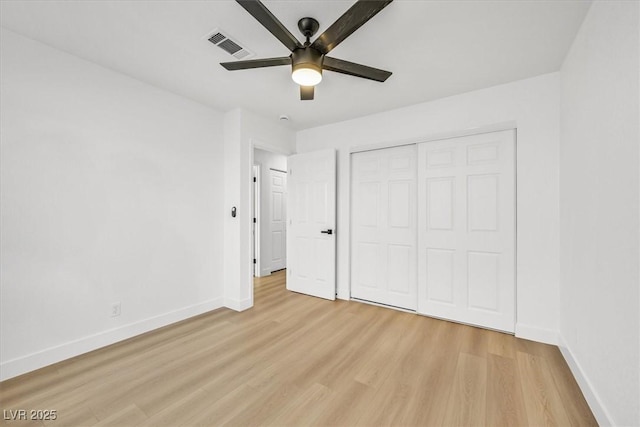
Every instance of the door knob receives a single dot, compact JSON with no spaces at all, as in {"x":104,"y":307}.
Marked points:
{"x":329,"y":231}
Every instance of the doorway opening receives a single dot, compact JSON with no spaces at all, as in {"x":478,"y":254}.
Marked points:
{"x":269,"y":212}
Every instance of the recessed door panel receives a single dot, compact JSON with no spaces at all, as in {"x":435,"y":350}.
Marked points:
{"x":400,"y":201}
{"x":305,"y":264}
{"x":367,"y":255}
{"x":367,"y":201}
{"x":440,"y":203}
{"x":301,"y":201}
{"x":399,"y":268}
{"x":277,"y":207}
{"x":478,"y":154}
{"x":319,"y":199}
{"x":482,"y":202}
{"x":439,"y":275}
{"x":439,"y":158}
{"x":483,"y":282}
{"x":277,"y":245}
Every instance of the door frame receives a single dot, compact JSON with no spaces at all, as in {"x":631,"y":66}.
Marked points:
{"x":247,"y":226}
{"x":256,"y":170}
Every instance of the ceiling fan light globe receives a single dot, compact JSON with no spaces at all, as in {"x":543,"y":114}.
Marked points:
{"x":306,"y":76}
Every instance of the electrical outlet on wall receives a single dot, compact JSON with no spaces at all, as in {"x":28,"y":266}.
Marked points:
{"x":115,"y":309}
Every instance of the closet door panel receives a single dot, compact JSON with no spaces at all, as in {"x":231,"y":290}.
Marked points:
{"x":466,"y":229}
{"x":383,"y":224}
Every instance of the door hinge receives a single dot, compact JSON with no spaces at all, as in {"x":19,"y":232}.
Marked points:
{"x":254,"y":260}
{"x":255,"y":179}
{"x":254,"y":220}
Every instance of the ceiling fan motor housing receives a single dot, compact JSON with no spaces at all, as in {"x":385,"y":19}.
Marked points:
{"x":307,"y":57}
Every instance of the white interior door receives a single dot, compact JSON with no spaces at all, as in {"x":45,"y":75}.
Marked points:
{"x":466,"y":231}
{"x":311,"y":244}
{"x":383,"y":221}
{"x":277,"y":220}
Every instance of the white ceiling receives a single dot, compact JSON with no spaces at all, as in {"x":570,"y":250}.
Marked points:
{"x":434,"y":48}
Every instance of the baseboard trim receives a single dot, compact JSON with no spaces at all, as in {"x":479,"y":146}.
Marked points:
{"x":265,"y":272}
{"x":22,"y":365}
{"x":547,"y":336}
{"x":591,"y":396}
{"x":238,"y":305}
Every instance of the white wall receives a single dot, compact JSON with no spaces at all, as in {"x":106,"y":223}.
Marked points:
{"x":599,"y":199}
{"x":267,"y":161}
{"x":110,"y":192}
{"x":233,"y":174}
{"x":532,"y":105}
{"x":244,"y":131}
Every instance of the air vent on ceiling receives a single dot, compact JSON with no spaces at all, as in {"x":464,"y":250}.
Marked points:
{"x":232,"y":47}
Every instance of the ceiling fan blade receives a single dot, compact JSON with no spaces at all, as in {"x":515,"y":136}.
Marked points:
{"x":354,"y":18}
{"x":270,"y":22}
{"x":353,"y":69}
{"x":306,"y":93}
{"x":256,"y":63}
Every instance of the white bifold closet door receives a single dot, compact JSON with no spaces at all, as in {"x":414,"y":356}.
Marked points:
{"x":466,"y":229}
{"x":383,"y":239}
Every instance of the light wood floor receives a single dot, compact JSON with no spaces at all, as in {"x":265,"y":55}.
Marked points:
{"x":299,"y":360}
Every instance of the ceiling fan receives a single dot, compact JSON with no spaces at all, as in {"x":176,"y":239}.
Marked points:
{"x":309,"y":59}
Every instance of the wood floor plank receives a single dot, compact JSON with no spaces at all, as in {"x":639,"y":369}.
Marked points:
{"x":357,"y":351}
{"x":376,"y":365}
{"x":542,"y":400}
{"x":177,"y":411}
{"x":220,"y":411}
{"x":568,"y":389}
{"x":427,"y":405}
{"x":345,"y":406}
{"x":387,"y":405}
{"x":505,"y":403}
{"x":475,"y":341}
{"x":294,"y":360}
{"x":270,"y":401}
{"x":467,"y":399}
{"x":501,"y":345}
{"x":130,"y":414}
{"x":298,"y":410}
